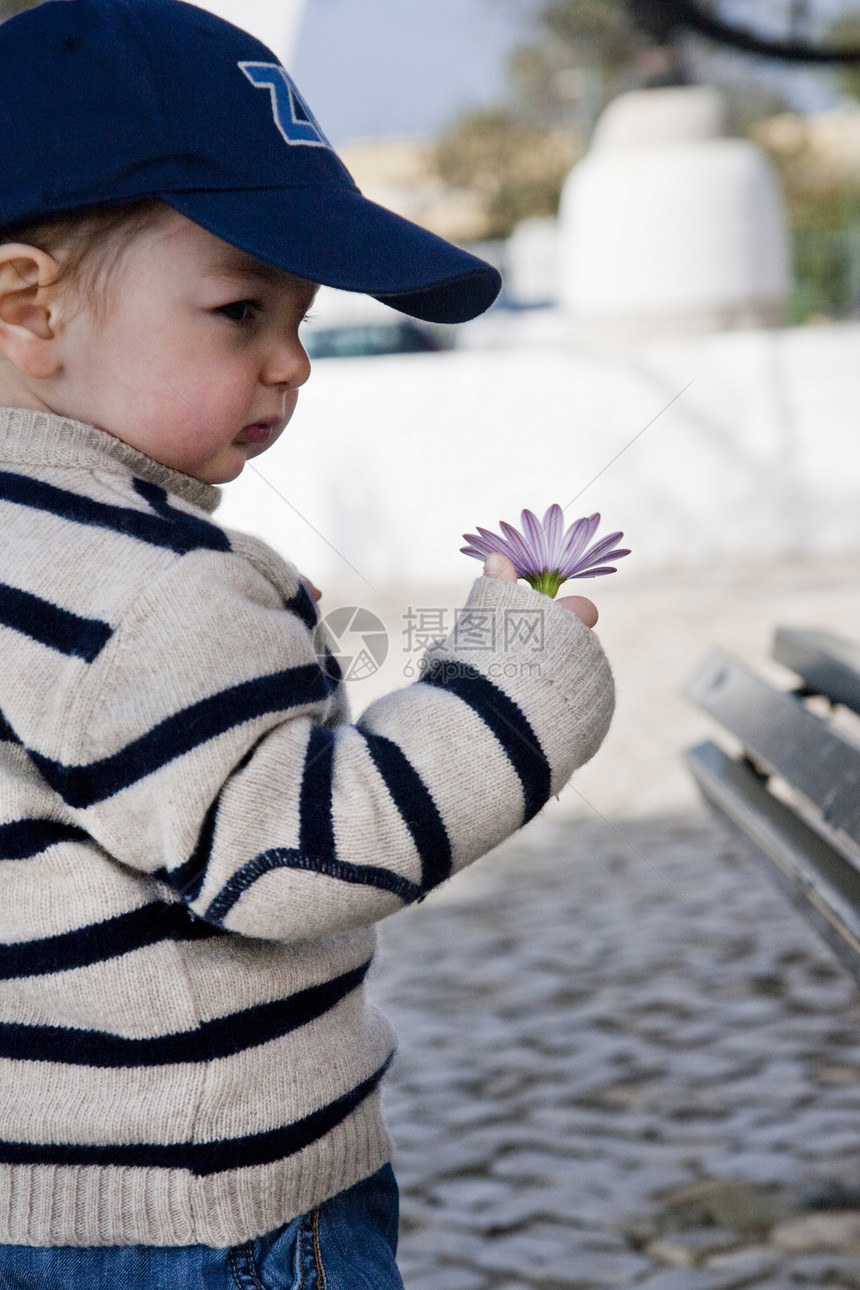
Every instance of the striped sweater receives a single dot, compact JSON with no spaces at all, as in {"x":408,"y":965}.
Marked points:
{"x":195,"y":844}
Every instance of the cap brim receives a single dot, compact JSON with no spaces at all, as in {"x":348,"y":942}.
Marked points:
{"x":338,"y":237}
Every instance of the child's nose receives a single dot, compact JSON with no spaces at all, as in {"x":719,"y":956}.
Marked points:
{"x":287,"y":364}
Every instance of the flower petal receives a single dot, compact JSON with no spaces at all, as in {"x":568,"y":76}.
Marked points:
{"x":484,"y":544}
{"x":592,"y":560}
{"x":522,"y":556}
{"x":610,"y":537}
{"x":596,"y":553}
{"x":495,"y":543}
{"x":577,"y":539}
{"x":553,"y":531}
{"x":534,"y":535}
{"x":617,"y":554}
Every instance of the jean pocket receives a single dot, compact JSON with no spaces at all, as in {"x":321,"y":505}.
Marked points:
{"x":288,"y":1259}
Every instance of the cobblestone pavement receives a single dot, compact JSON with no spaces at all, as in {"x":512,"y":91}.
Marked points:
{"x":582,"y":1043}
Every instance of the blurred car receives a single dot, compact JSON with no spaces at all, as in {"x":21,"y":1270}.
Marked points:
{"x":343,"y":324}
{"x":364,"y":340}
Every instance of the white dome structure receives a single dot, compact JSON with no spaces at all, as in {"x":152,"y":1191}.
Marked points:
{"x":667,"y":226}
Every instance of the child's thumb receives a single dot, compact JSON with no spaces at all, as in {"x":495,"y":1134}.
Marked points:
{"x":497,"y":565}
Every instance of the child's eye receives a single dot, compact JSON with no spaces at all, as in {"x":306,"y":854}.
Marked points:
{"x":240,"y":310}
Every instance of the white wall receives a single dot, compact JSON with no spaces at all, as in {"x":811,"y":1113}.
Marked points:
{"x":392,"y":459}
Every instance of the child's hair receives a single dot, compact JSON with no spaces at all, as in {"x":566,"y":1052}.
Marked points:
{"x":89,"y":244}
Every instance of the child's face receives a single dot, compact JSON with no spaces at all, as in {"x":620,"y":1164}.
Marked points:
{"x":196,"y":361}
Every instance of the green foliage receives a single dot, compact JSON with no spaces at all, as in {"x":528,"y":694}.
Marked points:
{"x":822,"y":193}
{"x":516,"y":168}
{"x":596,"y":32}
{"x":580,"y":48}
{"x":821,"y":187}
{"x":846,"y":31}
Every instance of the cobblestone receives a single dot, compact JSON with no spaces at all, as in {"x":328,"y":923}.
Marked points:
{"x":533,"y":1138}
{"x":826,"y":1270}
{"x":819,"y":1232}
{"x":687,"y":1248}
{"x":696,"y":1279}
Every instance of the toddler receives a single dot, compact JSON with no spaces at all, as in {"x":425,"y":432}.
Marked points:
{"x":196,"y":842}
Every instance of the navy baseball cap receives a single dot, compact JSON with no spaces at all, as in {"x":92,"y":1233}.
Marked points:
{"x":106,"y":101}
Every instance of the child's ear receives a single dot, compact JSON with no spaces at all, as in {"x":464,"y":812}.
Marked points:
{"x":27,"y":308}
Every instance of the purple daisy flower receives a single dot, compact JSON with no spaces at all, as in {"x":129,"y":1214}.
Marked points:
{"x":545,"y":553}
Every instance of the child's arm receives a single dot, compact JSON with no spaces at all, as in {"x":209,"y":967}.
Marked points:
{"x":214,"y":758}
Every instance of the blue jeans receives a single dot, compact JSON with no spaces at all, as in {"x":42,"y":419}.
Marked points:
{"x":349,"y":1243}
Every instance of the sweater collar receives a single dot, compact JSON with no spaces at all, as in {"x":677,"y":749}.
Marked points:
{"x":31,"y":438}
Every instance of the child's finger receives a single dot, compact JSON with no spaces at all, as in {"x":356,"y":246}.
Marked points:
{"x":582,"y":607}
{"x":497,"y":565}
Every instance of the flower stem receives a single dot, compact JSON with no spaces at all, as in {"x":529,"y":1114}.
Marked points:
{"x":547,"y":581}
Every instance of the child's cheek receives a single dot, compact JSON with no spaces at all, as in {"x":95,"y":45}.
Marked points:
{"x":291,"y":398}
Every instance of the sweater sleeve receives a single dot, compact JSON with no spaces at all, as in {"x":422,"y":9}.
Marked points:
{"x":205,"y":748}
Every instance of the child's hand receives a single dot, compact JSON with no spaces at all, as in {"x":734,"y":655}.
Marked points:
{"x":497,"y":565}
{"x":314,"y":592}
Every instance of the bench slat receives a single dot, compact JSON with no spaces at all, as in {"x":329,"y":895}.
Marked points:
{"x":816,"y":878}
{"x":828,"y":664}
{"x":785,"y":738}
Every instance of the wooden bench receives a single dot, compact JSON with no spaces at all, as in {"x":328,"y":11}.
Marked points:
{"x":791,"y":790}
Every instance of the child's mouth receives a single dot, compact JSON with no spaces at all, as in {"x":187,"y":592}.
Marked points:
{"x":257,"y":433}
